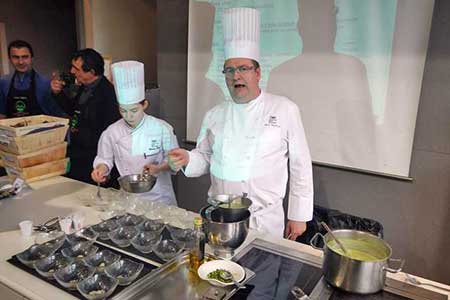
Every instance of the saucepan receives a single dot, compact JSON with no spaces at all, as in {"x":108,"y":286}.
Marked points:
{"x":362,"y":269}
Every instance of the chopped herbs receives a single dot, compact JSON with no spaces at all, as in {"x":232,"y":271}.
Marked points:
{"x":217,"y":275}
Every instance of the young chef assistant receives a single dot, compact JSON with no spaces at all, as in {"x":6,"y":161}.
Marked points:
{"x":137,"y":142}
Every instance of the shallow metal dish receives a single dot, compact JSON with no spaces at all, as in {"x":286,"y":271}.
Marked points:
{"x":173,"y":280}
{"x":136,"y":183}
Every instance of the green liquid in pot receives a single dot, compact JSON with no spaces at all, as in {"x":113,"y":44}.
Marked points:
{"x":363,"y":250}
{"x":232,"y":205}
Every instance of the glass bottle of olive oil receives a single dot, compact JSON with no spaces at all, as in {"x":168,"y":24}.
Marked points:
{"x":197,"y":253}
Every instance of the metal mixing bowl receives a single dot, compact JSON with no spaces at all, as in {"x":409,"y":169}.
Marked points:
{"x":224,"y":238}
{"x":229,"y":208}
{"x":136,"y":183}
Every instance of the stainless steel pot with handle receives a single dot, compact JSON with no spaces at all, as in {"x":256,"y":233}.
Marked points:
{"x":363,"y":269}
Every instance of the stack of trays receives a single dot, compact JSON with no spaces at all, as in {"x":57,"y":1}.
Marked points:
{"x":33,"y":148}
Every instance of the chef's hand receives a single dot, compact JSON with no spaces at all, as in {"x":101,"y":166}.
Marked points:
{"x":98,"y":174}
{"x":152,"y":169}
{"x":178,"y":158}
{"x":294,"y":229}
{"x":56,"y":84}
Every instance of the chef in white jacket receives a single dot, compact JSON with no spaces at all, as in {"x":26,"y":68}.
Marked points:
{"x":137,"y":142}
{"x":255,"y":142}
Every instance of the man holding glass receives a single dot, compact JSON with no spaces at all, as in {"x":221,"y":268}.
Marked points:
{"x":255,"y":142}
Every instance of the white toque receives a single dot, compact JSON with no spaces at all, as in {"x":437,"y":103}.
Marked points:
{"x":128,"y":78}
{"x":241,"y":33}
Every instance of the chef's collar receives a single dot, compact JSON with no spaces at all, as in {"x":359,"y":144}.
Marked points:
{"x":138,"y":125}
{"x":251,"y":102}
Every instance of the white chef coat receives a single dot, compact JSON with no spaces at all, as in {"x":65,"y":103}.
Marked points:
{"x":132,"y":148}
{"x":246,"y":148}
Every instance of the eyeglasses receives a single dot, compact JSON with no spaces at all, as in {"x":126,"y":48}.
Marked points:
{"x":230,"y":71}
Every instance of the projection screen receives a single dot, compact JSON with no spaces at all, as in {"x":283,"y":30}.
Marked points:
{"x":353,"y":67}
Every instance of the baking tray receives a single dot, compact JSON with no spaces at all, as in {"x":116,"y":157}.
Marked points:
{"x":174,"y":281}
{"x":145,"y":271}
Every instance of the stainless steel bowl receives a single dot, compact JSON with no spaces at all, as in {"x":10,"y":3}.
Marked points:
{"x":136,"y":183}
{"x":228,"y":208}
{"x":224,"y":238}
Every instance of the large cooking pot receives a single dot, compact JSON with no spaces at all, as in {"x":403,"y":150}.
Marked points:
{"x":363,"y":269}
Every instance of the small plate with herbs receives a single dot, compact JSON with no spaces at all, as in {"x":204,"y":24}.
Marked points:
{"x":212,"y":271}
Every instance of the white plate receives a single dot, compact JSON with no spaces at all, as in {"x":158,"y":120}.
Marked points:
{"x":236,"y":270}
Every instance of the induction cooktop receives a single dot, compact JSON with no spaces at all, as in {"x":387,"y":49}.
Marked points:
{"x":279,"y":269}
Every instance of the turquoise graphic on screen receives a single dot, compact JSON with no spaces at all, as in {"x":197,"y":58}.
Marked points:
{"x":365,"y":29}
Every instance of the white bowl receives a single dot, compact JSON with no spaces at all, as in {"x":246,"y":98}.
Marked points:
{"x":235,"y":269}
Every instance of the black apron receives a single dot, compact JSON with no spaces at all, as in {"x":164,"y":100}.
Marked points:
{"x":83,"y":144}
{"x":21,"y":103}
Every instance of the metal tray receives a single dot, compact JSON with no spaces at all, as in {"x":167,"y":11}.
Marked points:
{"x":173,"y":280}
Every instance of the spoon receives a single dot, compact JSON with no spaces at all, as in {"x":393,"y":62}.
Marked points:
{"x":244,"y":195}
{"x":227,"y":276}
{"x":334,"y":237}
{"x":98,"y":191}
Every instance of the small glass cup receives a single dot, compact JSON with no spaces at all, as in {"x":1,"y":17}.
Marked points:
{"x":26,"y":227}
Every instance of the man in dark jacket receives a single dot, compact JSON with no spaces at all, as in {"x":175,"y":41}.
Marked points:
{"x":25,"y":92}
{"x":91,"y":110}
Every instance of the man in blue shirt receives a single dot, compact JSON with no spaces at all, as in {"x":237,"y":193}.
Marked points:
{"x":25,"y":92}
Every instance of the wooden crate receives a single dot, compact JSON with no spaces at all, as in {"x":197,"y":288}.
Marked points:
{"x":25,"y":125}
{"x":34,"y":158}
{"x":33,"y":141}
{"x":41,"y":171}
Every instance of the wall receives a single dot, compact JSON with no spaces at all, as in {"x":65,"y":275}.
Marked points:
{"x":126,"y":31}
{"x":414,"y":214}
{"x":48,"y":25}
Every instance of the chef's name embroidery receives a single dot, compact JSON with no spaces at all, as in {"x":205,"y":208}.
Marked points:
{"x":155,"y":146}
{"x":273,"y":122}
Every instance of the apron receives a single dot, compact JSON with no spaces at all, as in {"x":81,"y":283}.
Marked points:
{"x":82,"y":143}
{"x":21,"y":103}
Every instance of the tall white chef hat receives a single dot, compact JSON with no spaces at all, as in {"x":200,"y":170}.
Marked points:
{"x":128,"y":77}
{"x":241,"y":33}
